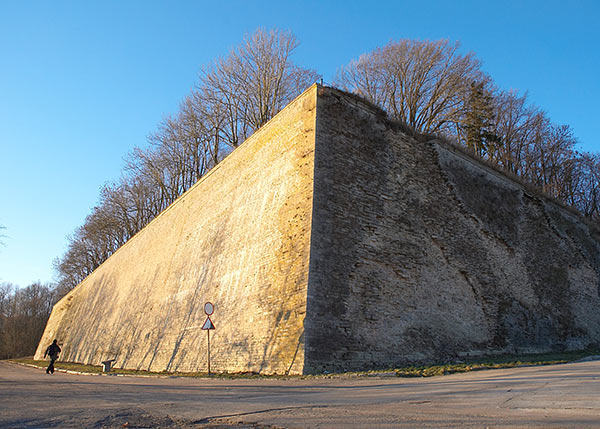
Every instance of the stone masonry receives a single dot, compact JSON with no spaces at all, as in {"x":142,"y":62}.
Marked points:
{"x":239,"y":238}
{"x":331,"y":240}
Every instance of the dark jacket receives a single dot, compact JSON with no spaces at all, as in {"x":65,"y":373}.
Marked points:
{"x":53,"y":350}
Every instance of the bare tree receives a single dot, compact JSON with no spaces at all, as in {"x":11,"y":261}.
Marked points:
{"x":421,"y":83}
{"x":253,"y":83}
{"x":553,"y":157}
{"x":514,"y":125}
{"x":583,"y":185}
{"x":23,"y":316}
{"x":267,"y":75}
{"x":235,"y":95}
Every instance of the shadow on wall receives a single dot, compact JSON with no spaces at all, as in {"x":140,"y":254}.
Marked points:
{"x":92,"y":332}
{"x":84,"y":335}
{"x":192,"y":311}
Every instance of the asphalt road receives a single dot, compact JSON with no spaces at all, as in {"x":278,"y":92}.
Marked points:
{"x":550,"y":396}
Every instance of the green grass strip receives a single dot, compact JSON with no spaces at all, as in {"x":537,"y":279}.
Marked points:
{"x":465,"y":365}
{"x":495,"y":362}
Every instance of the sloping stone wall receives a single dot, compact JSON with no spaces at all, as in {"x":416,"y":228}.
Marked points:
{"x":420,"y":253}
{"x":331,"y":241}
{"x":239,"y":238}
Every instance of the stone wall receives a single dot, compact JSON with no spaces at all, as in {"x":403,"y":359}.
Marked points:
{"x":420,"y":253}
{"x":330,"y":241}
{"x":239,"y":238}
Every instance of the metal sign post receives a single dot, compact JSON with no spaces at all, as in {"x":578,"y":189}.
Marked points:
{"x":209,"y":308}
{"x":208,"y":332}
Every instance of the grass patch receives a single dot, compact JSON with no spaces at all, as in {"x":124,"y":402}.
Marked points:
{"x":495,"y":362}
{"x":97,"y":369}
{"x":466,"y":365}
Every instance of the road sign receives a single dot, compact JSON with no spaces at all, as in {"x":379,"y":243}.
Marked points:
{"x":209,"y":308}
{"x":208,"y":324}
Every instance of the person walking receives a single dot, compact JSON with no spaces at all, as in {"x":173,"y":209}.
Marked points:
{"x":53,"y":350}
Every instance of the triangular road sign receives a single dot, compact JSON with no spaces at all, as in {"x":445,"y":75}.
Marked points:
{"x":208,"y":324}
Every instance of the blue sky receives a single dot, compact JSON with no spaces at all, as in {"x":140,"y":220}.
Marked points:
{"x":83,"y":82}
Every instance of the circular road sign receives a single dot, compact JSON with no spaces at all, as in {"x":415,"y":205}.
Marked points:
{"x":209,"y":308}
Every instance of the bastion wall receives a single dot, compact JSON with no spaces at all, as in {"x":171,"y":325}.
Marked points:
{"x":331,"y":240}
